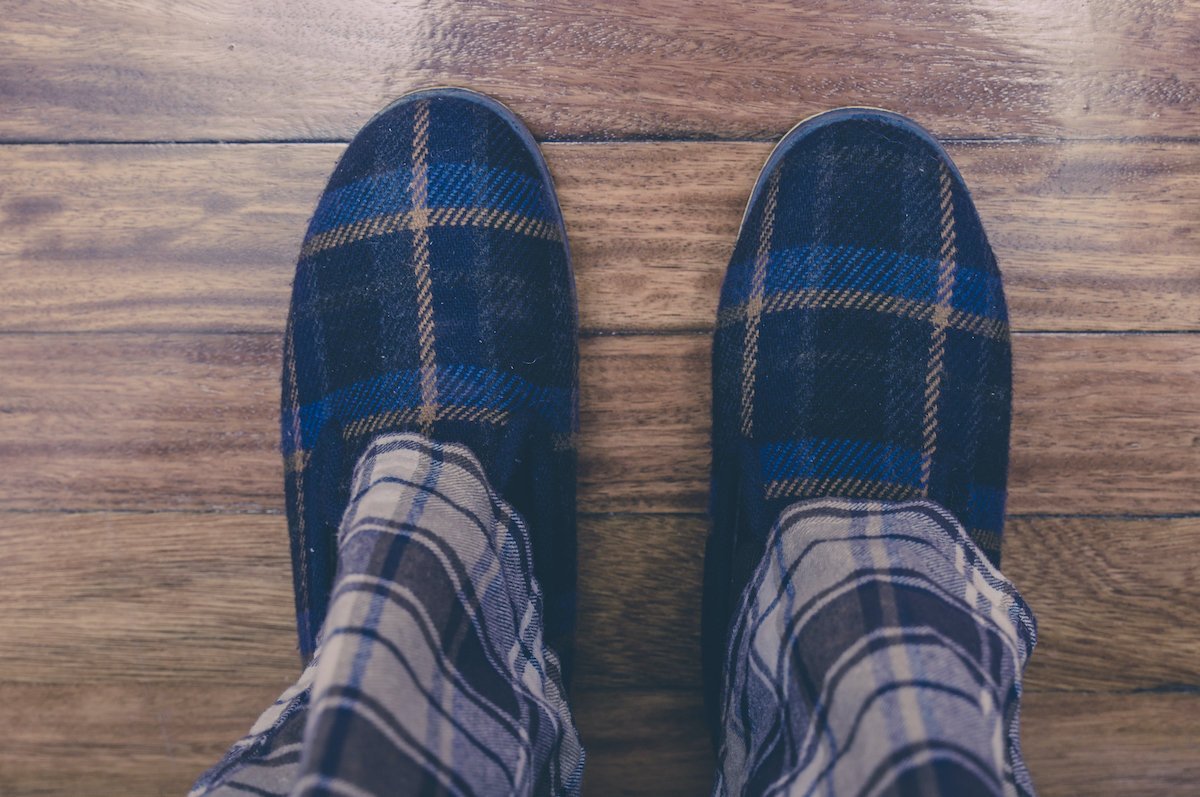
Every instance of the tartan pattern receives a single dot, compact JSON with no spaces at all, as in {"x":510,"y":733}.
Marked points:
{"x":434,"y":294}
{"x":431,"y":676}
{"x":862,"y":348}
{"x":876,"y":651}
{"x":862,"y":344}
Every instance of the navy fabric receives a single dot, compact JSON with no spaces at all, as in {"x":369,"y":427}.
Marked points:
{"x":876,"y":650}
{"x":434,"y":294}
{"x":862,"y":347}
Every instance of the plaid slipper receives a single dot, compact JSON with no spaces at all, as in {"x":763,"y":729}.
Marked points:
{"x":434,"y":294}
{"x":862,"y":347}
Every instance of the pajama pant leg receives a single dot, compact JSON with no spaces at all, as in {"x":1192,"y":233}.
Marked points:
{"x":876,"y":651}
{"x":431,"y":676}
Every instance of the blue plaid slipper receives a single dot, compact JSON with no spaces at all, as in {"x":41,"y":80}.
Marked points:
{"x":862,"y":347}
{"x":434,"y":294}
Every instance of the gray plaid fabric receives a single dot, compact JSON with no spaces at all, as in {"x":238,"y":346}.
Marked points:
{"x":431,"y":675}
{"x":876,"y":651}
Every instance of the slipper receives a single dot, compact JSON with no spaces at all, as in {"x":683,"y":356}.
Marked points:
{"x":434,"y":294}
{"x":862,"y":349}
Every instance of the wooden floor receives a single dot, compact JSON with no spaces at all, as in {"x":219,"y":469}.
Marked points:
{"x":159,"y":161}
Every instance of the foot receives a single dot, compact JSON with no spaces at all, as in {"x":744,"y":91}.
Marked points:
{"x":862,"y":347}
{"x":434,"y":294}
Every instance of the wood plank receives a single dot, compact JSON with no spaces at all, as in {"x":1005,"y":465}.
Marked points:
{"x":105,"y":421}
{"x":1088,"y":236}
{"x":1103,"y":424}
{"x":640,"y":582}
{"x":147,"y":598}
{"x":1116,"y":600}
{"x":648,"y":742}
{"x":231,"y":71}
{"x":170,"y":598}
{"x":174,"y":597}
{"x":123,"y":740}
{"x":1143,"y":745}
{"x":645,"y":423}
{"x":1091,"y":236}
{"x":1105,"y":591}
{"x":129,"y":740}
{"x":155,"y":237}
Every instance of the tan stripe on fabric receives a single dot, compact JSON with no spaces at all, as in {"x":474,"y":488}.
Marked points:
{"x":899,"y":661}
{"x":866,"y":300}
{"x":434,"y":217}
{"x":419,"y":191}
{"x":845,"y":488}
{"x":393,"y":419}
{"x":754,"y":305}
{"x":296,"y":462}
{"x":293,"y":466}
{"x":947,"y":265}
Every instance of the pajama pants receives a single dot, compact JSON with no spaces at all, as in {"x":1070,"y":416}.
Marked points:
{"x":876,"y":651}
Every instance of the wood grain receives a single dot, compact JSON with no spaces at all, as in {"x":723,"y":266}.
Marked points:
{"x":232,"y":70}
{"x":644,"y":426}
{"x":110,"y":598}
{"x":129,"y":740}
{"x":1091,"y":236}
{"x":175,"y":597}
{"x":106,"y":421}
{"x":154,"y":237}
{"x":640,"y":582}
{"x":1103,"y":424}
{"x":1146,"y":745}
{"x":140,"y":644}
{"x":1116,"y":600}
{"x":168,"y":598}
{"x":120,"y":739}
{"x":647,"y":742}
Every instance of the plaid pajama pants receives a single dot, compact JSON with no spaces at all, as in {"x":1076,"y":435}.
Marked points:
{"x":876,"y":652}
{"x":430,"y":675}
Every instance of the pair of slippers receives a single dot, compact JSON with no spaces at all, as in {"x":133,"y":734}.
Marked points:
{"x":861,"y":349}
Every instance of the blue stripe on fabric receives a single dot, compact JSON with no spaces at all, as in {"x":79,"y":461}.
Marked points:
{"x":458,"y":385}
{"x":827,"y":458}
{"x":450,"y":185}
{"x":850,"y":268}
{"x":985,"y":508}
{"x":978,"y":293}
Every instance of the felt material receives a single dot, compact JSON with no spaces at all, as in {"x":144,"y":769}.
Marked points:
{"x":434,"y":294}
{"x":862,"y":346}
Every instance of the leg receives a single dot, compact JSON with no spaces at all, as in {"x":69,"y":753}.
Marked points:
{"x":431,"y":675}
{"x":877,"y":651}
{"x":434,"y":295}
{"x":862,"y":353}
